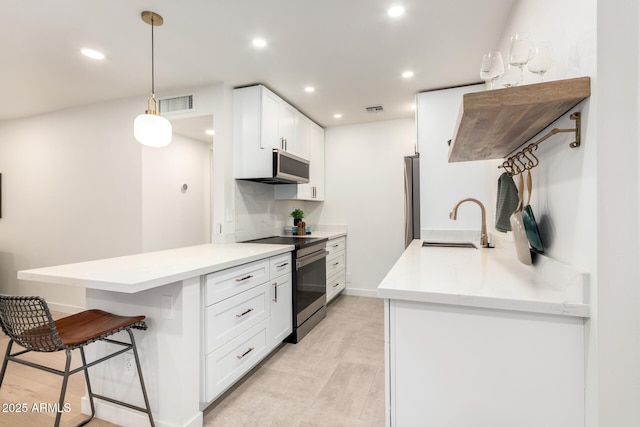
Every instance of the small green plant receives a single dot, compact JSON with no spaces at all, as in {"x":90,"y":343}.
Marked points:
{"x":297,"y":214}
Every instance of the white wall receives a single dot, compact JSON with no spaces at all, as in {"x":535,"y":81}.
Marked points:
{"x":365,"y":190}
{"x":71,"y":192}
{"x":73,"y":187}
{"x":618,"y":290}
{"x":171,"y":217}
{"x":443,"y":184}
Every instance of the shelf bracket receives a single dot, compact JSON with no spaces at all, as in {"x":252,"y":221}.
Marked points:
{"x":511,"y":163}
{"x":575,"y":144}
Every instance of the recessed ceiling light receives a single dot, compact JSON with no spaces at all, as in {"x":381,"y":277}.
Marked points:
{"x":309,"y":89}
{"x":259,"y":42}
{"x":337,"y":116}
{"x":91,"y":53}
{"x":395,"y":11}
{"x":407,"y":74}
{"x":210,"y":132}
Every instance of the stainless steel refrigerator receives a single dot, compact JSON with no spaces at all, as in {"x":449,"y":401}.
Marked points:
{"x":411,"y":198}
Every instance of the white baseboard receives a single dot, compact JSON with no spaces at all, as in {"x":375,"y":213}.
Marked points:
{"x":126,"y":417}
{"x":64,"y":308}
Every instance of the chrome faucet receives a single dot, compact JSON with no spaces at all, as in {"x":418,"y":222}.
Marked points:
{"x":484,"y":241}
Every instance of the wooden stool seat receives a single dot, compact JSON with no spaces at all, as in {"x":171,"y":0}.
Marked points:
{"x":90,"y":325}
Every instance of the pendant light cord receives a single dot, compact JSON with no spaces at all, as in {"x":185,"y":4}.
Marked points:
{"x":153,"y":91}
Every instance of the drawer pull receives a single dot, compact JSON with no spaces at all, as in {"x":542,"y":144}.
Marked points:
{"x":246,"y":312}
{"x":336,"y":285}
{"x":245,"y":353}
{"x":244,"y":278}
{"x":336,"y":263}
{"x":335,"y":246}
{"x":282,"y":265}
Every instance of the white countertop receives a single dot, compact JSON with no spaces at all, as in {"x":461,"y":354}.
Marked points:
{"x":487,"y":278}
{"x":135,"y":273}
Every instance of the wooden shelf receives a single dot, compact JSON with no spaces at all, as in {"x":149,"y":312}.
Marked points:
{"x":494,"y":123}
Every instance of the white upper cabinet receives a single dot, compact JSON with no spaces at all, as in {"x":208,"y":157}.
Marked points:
{"x":262,"y":121}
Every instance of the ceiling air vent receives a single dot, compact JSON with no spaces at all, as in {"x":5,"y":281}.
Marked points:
{"x":179,"y":104}
{"x":374,"y":109}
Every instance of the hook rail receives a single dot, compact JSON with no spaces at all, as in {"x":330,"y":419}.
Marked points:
{"x":525,"y":160}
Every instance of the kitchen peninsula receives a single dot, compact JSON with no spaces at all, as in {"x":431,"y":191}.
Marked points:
{"x":169,"y":288}
{"x":472,"y":337}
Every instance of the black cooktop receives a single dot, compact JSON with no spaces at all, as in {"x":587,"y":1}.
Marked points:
{"x":298,"y":242}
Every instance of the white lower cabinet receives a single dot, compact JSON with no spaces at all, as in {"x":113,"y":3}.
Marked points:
{"x":247,"y":313}
{"x":463,"y":366}
{"x":281,"y":310}
{"x":336,"y":266}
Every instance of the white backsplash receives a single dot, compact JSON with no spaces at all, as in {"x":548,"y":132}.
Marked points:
{"x":253,"y":210}
{"x":258,"y":214}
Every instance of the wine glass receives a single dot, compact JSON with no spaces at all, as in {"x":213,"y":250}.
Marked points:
{"x":521,"y":50}
{"x":512,"y":76}
{"x":492,"y":67}
{"x":542,"y":59}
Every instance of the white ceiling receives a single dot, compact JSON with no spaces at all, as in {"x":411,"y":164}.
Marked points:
{"x":351,"y":51}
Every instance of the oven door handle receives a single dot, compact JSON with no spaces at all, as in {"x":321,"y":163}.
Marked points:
{"x":306,"y":260}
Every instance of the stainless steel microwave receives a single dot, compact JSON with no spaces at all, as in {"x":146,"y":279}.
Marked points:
{"x":289,"y":169}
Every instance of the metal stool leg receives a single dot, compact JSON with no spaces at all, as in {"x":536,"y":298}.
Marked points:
{"x":6,"y":360}
{"x":63,"y":391}
{"x":89,"y":391}
{"x":144,"y":389}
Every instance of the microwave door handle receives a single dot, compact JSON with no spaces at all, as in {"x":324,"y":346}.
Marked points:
{"x":304,"y":261}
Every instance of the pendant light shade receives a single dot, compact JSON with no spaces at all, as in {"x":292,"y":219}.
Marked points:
{"x":150,"y":128}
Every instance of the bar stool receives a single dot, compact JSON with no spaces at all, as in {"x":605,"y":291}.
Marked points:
{"x":27,"y":321}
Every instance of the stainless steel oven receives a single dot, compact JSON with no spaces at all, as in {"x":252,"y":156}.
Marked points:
{"x":309,"y":281}
{"x":310,"y":293}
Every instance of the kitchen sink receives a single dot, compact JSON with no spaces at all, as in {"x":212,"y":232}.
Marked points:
{"x":448,"y":244}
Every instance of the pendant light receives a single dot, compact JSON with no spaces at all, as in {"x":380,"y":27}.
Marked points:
{"x":151,"y":128}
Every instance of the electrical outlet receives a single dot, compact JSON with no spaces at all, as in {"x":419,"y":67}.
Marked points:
{"x":129,"y":364}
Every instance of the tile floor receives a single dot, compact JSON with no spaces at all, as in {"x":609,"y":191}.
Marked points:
{"x":333,"y":377}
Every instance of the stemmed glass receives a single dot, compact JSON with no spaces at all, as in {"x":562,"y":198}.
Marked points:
{"x":492,"y":67}
{"x":521,"y":51}
{"x":542,"y":60}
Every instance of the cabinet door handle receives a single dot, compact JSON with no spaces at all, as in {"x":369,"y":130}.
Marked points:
{"x":282,"y":265}
{"x":275,"y":291}
{"x":282,"y":143}
{"x":314,"y":192}
{"x":240,"y":356}
{"x":246,"y":312}
{"x":244,"y":278}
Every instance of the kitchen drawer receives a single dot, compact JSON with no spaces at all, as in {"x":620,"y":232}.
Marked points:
{"x":226,"y":283}
{"x":336,"y":245}
{"x":280,"y":265}
{"x":335,"y":284}
{"x":233,"y":316}
{"x":335,"y":263}
{"x":231,"y":361}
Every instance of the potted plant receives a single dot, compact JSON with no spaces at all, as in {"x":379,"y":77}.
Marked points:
{"x":297,"y":215}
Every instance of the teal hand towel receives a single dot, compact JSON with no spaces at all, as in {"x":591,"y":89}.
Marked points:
{"x":506,"y":202}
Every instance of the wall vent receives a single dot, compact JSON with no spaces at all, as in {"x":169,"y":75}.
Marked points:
{"x":374,"y":109}
{"x":179,"y":104}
